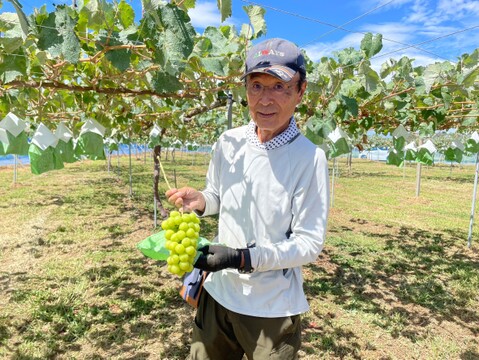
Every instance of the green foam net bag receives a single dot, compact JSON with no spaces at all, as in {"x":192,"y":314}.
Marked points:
{"x":154,"y":246}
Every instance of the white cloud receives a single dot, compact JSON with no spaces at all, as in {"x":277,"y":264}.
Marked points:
{"x":457,"y":9}
{"x":317,"y":50}
{"x":394,"y":33}
{"x":382,"y":6}
{"x":434,"y":25}
{"x":421,"y":12}
{"x":396,"y":37}
{"x":429,"y":13}
{"x":206,"y":13}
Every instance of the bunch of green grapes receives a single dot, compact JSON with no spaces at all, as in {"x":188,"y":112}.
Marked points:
{"x":182,"y":232}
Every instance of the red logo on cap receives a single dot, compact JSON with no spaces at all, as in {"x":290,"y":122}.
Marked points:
{"x":267,"y":52}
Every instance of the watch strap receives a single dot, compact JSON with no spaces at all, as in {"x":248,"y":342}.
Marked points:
{"x":246,"y":269}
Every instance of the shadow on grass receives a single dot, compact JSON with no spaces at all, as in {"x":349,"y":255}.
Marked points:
{"x":469,"y":355}
{"x":153,"y":311}
{"x":414,"y":277}
{"x":330,"y":338}
{"x":121,"y":309}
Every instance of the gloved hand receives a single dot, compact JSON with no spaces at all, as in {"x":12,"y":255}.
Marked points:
{"x":218,"y":257}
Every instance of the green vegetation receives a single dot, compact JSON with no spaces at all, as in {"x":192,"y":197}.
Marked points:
{"x":396,"y":279}
{"x":95,"y":60}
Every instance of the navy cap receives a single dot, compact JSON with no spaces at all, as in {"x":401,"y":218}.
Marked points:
{"x":278,"y":57}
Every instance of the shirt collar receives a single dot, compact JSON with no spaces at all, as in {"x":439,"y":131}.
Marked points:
{"x":279,"y":140}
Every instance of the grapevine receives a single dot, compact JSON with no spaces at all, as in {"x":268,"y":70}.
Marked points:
{"x":97,"y":61}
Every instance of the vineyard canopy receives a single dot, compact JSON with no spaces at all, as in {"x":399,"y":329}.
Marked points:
{"x":93,"y":61}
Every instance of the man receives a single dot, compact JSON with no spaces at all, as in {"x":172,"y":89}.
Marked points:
{"x":270,"y":186}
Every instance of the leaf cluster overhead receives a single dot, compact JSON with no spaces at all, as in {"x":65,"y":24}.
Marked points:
{"x":95,"y":61}
{"x":346,"y":91}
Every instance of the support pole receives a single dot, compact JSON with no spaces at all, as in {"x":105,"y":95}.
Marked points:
{"x":15,"y":161}
{"x":418,"y":178}
{"x":418,"y":173}
{"x":145,"y":149}
{"x":332,"y":182}
{"x":471,"y":222}
{"x":118,"y":160}
{"x":129,"y":155}
{"x":230,"y":110}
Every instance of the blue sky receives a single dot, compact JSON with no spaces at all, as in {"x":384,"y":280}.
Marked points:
{"x":440,"y":29}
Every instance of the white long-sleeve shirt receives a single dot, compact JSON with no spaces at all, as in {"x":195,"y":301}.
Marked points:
{"x":277,"y":199}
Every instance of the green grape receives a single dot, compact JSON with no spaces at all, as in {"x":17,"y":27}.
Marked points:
{"x":181,"y":234}
{"x":174,"y":237}
{"x":174,"y":213}
{"x":183,"y":226}
{"x":184,"y":258}
{"x":179,"y":249}
{"x":191,"y":233}
{"x":186,"y":242}
{"x":168,"y":234}
{"x":175,"y":269}
{"x":164,"y":225}
{"x":173,"y":259}
{"x":184,"y":265}
{"x":190,"y":250}
{"x":171,"y":225}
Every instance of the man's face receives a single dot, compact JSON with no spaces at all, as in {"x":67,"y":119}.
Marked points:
{"x":272,"y":102}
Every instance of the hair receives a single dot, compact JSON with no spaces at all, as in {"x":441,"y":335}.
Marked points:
{"x":302,"y":80}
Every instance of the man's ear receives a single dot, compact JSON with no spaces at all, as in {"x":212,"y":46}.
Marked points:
{"x":305,"y":85}
{"x":303,"y":89}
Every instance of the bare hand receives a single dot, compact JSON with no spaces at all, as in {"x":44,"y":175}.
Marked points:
{"x":186,"y":199}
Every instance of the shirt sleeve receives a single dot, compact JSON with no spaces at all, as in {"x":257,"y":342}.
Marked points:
{"x":211,"y":191}
{"x":310,"y":208}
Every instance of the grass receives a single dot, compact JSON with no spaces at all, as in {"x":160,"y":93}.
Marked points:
{"x":396,"y":279}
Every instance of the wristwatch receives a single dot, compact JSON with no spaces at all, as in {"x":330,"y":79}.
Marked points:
{"x":246,"y":256}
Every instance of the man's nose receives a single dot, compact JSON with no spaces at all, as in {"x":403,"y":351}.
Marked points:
{"x":267,"y":95}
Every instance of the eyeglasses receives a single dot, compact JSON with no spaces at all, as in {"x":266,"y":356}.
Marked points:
{"x":255,"y":88}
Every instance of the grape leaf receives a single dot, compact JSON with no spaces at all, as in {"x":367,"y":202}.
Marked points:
{"x":163,"y":82}
{"x":256,"y":18}
{"x":57,"y":35}
{"x":126,"y":14}
{"x":224,"y":6}
{"x":371,"y":45}
{"x":13,"y":66}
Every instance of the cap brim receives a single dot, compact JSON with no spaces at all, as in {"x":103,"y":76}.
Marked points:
{"x":281,"y":72}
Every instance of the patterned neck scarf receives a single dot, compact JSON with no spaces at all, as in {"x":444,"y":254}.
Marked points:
{"x":279,"y":140}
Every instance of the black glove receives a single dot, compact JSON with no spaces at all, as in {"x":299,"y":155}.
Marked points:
{"x":218,"y":257}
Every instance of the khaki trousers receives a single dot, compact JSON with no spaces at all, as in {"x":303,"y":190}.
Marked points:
{"x":221,"y":334}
